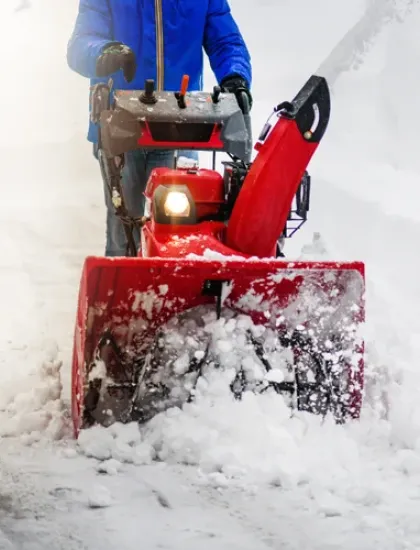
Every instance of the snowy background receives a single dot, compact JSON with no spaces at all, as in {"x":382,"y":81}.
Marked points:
{"x":221,"y":475}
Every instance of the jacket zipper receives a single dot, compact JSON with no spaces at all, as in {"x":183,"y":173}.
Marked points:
{"x":159,"y":45}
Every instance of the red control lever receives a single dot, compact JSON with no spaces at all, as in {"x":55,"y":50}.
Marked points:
{"x":181,"y":95}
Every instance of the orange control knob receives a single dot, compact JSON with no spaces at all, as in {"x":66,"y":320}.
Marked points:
{"x":184,"y":84}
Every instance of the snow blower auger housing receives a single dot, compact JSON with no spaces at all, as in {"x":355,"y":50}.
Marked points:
{"x":209,"y":246}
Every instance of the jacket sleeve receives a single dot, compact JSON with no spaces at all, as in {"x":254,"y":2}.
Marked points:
{"x":92,"y":31}
{"x":224,"y":44}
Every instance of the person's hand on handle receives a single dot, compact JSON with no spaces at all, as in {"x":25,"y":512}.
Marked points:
{"x":235,"y":84}
{"x":116,"y":56}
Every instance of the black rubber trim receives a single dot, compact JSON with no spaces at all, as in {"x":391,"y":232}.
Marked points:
{"x":312,"y":102}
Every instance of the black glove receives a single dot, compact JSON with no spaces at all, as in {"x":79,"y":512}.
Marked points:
{"x":235,"y":84}
{"x":116,"y":56}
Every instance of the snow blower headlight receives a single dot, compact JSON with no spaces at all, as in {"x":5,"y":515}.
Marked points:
{"x":177,"y":204}
{"x":173,"y":204}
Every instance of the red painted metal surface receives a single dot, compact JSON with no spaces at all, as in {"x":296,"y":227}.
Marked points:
{"x":179,"y":241}
{"x":261,"y":210}
{"x":132,"y":297}
{"x":214,"y":142}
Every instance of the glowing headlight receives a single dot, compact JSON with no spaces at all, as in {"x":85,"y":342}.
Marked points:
{"x":174,"y":204}
{"x":177,"y":204}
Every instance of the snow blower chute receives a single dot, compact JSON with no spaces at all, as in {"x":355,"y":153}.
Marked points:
{"x":210,"y":246}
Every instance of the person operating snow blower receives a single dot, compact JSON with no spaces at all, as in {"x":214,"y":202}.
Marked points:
{"x":135,"y":40}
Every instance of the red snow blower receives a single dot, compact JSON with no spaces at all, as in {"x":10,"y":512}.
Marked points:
{"x":210,"y":242}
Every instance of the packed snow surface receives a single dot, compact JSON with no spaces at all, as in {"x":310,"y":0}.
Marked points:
{"x":217,"y":473}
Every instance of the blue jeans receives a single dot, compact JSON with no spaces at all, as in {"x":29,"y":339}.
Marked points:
{"x":136,"y":172}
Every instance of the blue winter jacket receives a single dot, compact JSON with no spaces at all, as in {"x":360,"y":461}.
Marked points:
{"x":167,"y":37}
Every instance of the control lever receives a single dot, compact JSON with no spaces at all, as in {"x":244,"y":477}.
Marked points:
{"x":217,"y":90}
{"x":180,"y":96}
{"x":148,"y":96}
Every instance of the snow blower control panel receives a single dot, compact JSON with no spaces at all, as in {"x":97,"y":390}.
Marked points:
{"x":132,"y":119}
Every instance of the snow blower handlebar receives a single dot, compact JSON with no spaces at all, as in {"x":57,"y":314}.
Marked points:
{"x":149,"y":119}
{"x":246,"y":110}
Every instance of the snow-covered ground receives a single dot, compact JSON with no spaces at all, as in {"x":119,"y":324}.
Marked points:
{"x":223,"y":474}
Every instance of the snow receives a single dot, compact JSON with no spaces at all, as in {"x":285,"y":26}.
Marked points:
{"x":220,"y":473}
{"x":100,"y":497}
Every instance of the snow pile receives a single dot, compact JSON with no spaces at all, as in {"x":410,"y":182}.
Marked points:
{"x":258,"y":436}
{"x":230,"y":439}
{"x":211,"y":255}
{"x":196,"y":343}
{"x":254,"y":441}
{"x":222,"y":354}
{"x":100,"y":497}
{"x":32,"y":408}
{"x":120,"y":443}
{"x":5,"y":543}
